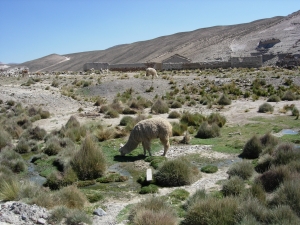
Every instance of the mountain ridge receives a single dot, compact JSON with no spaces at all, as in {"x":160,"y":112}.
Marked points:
{"x":217,"y":43}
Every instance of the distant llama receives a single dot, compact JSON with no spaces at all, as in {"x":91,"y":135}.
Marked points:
{"x":151,"y":72}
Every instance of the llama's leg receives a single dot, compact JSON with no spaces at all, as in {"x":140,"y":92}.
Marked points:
{"x":147,"y":146}
{"x":166,"y":144}
{"x":144,"y":147}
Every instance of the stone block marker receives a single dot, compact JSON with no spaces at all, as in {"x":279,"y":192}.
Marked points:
{"x":149,"y":175}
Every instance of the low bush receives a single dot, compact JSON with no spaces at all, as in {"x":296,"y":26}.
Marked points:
{"x":217,"y":119}
{"x":12,"y":160}
{"x":288,"y":194}
{"x":209,"y":169}
{"x":9,"y":188}
{"x":89,"y":162}
{"x":176,"y":172}
{"x":151,"y":188}
{"x":77,"y":217}
{"x":192,"y":119}
{"x":243,"y":170}
{"x":71,"y":197}
{"x":285,"y":153}
{"x":112,"y":177}
{"x":224,"y":100}
{"x":264,"y":163}
{"x":212,"y":211}
{"x":257,"y":191}
{"x":295,"y":112}
{"x":160,"y":107}
{"x":52,"y":146}
{"x":208,"y":131}
{"x":175,"y":104}
{"x":272,"y":178}
{"x":199,"y":195}
{"x":269,"y":141}
{"x":36,"y":133}
{"x":288,"y":96}
{"x":178,"y":195}
{"x":265,"y":108}
{"x":126,"y":120}
{"x":234,"y":186}
{"x":104,"y":134}
{"x":100,"y":101}
{"x":5,"y":138}
{"x":178,"y":129}
{"x":22,"y":146}
{"x":174,"y":115}
{"x":153,"y":211}
{"x":252,"y":148}
{"x":274,"y":98}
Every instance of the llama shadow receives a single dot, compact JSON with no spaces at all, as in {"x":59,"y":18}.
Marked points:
{"x":128,"y":158}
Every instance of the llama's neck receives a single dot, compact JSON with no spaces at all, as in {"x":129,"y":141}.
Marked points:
{"x":131,"y":144}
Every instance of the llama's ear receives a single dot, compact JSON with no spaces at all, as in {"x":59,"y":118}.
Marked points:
{"x":121,"y":145}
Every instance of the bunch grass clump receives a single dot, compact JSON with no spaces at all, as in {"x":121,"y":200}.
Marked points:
{"x":289,"y":96}
{"x":243,"y":169}
{"x":153,"y":211}
{"x":265,"y":108}
{"x":224,"y":100}
{"x":160,"y":107}
{"x":234,"y":186}
{"x":212,"y":211}
{"x":252,"y":148}
{"x":216,"y":118}
{"x":176,"y":172}
{"x":208,"y":131}
{"x":89,"y":162}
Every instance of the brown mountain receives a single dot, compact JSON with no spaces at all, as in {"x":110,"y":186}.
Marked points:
{"x":266,"y":36}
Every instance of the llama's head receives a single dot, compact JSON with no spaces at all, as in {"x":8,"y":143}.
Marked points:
{"x":122,"y":150}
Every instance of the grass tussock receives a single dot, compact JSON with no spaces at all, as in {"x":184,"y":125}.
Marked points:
{"x":89,"y":162}
{"x":153,"y":211}
{"x":243,"y":169}
{"x":160,"y":107}
{"x":176,"y":172}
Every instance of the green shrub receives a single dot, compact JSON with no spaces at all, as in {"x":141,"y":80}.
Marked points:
{"x":12,"y":160}
{"x":44,"y":114}
{"x":264,"y":163}
{"x":288,"y":96}
{"x":52,"y":146}
{"x":285,"y":153}
{"x":217,"y":119}
{"x":243,"y":170}
{"x":112,"y":177}
{"x":160,"y":107}
{"x":176,"y":104}
{"x":178,"y":129}
{"x":252,"y":148}
{"x":5,"y":138}
{"x":269,"y":141}
{"x":178,"y":195}
{"x":234,"y":186}
{"x":71,"y":197}
{"x":174,"y":115}
{"x":265,"y":108}
{"x":295,"y":112}
{"x":75,"y":217}
{"x":212,"y":211}
{"x":153,"y":211}
{"x":272,"y":178}
{"x":9,"y":188}
{"x":208,"y":131}
{"x":112,"y":113}
{"x":151,"y":188}
{"x":37,"y":133}
{"x":72,"y":123}
{"x":192,"y":119}
{"x":89,"y":162}
{"x":224,"y":100}
{"x":257,"y":191}
{"x":209,"y":169}
{"x":22,"y":146}
{"x":199,"y":195}
{"x":176,"y":172}
{"x":288,"y":194}
{"x":274,"y":98}
{"x":126,"y":120}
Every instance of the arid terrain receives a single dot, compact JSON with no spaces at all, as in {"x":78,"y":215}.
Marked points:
{"x":53,"y":93}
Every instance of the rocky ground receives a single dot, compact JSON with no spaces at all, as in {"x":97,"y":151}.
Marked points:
{"x":62,"y":107}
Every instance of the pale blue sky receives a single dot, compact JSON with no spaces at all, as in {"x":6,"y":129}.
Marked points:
{"x":31,"y":29}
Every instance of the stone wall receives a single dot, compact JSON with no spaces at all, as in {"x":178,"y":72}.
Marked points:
{"x":95,"y":65}
{"x":249,"y":62}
